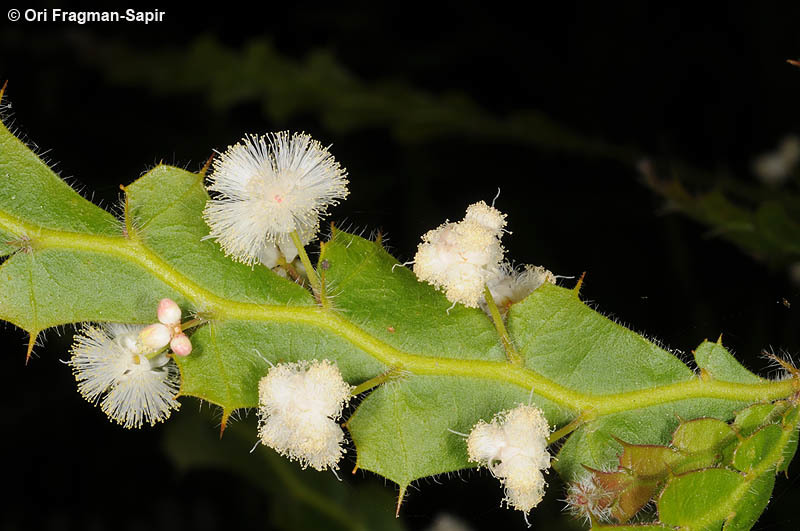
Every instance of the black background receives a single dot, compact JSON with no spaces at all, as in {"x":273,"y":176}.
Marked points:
{"x":709,"y":87}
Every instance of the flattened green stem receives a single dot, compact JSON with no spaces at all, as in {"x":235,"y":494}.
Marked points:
{"x":511,"y":353}
{"x":569,"y":428}
{"x":382,"y":378}
{"x":155,"y":354}
{"x":313,"y":277}
{"x":136,"y":252}
{"x":192,"y":323}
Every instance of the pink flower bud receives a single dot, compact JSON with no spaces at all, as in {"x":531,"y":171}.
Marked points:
{"x":169,"y":312}
{"x":154,"y":337}
{"x":181,"y":345}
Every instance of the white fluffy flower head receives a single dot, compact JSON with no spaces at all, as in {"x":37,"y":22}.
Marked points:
{"x":268,"y":187}
{"x":299,"y":404}
{"x":510,"y":286}
{"x":460,"y":258}
{"x":111,"y":362}
{"x":513,"y":446}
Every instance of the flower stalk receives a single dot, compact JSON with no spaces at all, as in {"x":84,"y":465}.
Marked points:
{"x":313,"y":277}
{"x":511,"y":353}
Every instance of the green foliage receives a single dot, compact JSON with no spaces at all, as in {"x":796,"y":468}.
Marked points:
{"x":70,"y":261}
{"x":712,"y":475}
{"x":717,"y":362}
{"x":762,"y":222}
{"x":320,"y":85}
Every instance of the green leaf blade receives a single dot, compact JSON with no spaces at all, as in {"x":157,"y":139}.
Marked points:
{"x":720,"y":364}
{"x":758,"y":447}
{"x":562,"y":338}
{"x":409,"y":429}
{"x":693,"y":500}
{"x":31,"y":191}
{"x":34,"y":294}
{"x":753,"y":503}
{"x":371,"y":289}
{"x":703,"y":434}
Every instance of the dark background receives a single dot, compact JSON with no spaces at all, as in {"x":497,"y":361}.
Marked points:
{"x":709,"y":89}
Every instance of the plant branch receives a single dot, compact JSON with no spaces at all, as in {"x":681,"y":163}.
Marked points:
{"x":135,"y":251}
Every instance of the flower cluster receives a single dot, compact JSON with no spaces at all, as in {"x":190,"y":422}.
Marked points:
{"x":269,"y":187}
{"x":168,"y":330}
{"x":460,"y":258}
{"x":137,"y":383}
{"x":513,"y":446}
{"x":129,"y":366}
{"x":465,"y":257}
{"x":299,"y":404}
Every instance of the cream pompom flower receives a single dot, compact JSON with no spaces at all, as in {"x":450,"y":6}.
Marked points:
{"x":513,"y":446}
{"x":299,"y":404}
{"x":460,"y":258}
{"x":269,"y":187}
{"x":111,"y":361}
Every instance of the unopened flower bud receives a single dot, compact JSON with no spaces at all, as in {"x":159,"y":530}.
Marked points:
{"x":154,"y":337}
{"x":169,"y":312}
{"x":181,"y":345}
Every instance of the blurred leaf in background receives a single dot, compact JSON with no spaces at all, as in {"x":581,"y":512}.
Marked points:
{"x":762,"y":218}
{"x":297,"y":499}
